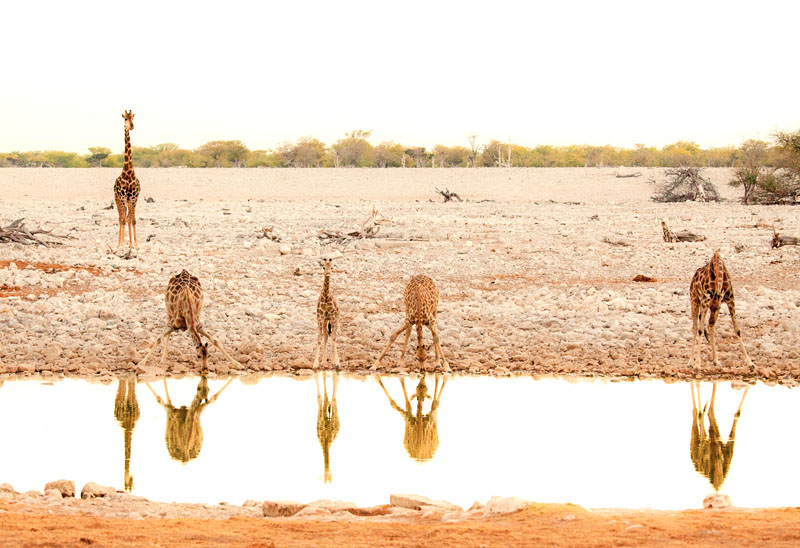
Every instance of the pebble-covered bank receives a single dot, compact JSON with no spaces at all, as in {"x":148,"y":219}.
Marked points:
{"x":528,"y":279}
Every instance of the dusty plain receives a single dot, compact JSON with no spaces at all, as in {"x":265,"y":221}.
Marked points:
{"x":529,"y":285}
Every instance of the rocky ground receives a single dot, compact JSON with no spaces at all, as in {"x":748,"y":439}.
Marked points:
{"x":528,"y":279}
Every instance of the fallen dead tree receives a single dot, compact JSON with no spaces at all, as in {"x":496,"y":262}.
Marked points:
{"x":621,"y":243}
{"x":681,"y":236}
{"x":369,"y":229}
{"x":18,"y":232}
{"x":686,"y":184}
{"x":779,"y":241}
{"x":268,"y":233}
{"x":628,"y":175}
{"x":447,"y":195}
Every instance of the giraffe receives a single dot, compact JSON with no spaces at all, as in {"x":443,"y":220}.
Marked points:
{"x":669,"y":237}
{"x":126,"y":190}
{"x":327,"y":317}
{"x":710,"y":455}
{"x":126,"y":411}
{"x":184,"y":301}
{"x":327,"y":421}
{"x":422,"y":301}
{"x":184,"y":434}
{"x":421,"y":438}
{"x":711,"y":286}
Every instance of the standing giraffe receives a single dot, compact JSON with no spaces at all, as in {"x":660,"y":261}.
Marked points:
{"x":710,"y":455}
{"x":126,"y":190}
{"x":422,"y":302}
{"x":327,"y":317}
{"x":327,"y":421}
{"x":184,"y":301}
{"x":711,"y":286}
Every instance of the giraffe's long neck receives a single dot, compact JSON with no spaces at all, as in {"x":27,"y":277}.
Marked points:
{"x":128,"y":166}
{"x":326,"y":284}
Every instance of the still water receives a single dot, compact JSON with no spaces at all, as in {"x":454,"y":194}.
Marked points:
{"x":595,"y":443}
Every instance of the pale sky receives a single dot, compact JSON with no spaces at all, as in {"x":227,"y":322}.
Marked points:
{"x":416,"y":72}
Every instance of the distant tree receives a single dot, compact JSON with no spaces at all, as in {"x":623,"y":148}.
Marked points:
{"x":354,"y":150}
{"x":474,"y":149}
{"x":681,"y":153}
{"x":227,"y":153}
{"x":418,"y":155}
{"x":308,"y":152}
{"x":97,"y":155}
{"x":750,"y":169}
{"x":445,"y":156}
{"x":388,"y":154}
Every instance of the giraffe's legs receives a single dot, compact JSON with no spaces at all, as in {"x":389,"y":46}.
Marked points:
{"x":319,"y":343}
{"x":155,"y":344}
{"x":732,"y":310}
{"x":697,"y":330}
{"x":166,"y":344}
{"x":121,"y":212}
{"x":712,"y":334}
{"x":405,"y":345}
{"x":391,"y":341}
{"x":334,"y":334}
{"x":438,"y":347}
{"x":325,"y":347}
{"x":219,"y":346}
{"x":132,"y":224}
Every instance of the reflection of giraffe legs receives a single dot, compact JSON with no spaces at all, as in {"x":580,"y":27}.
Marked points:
{"x":205,"y":333}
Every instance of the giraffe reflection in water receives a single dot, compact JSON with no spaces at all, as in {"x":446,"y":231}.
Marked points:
{"x":421,"y":437}
{"x":126,"y":411}
{"x":711,"y":456}
{"x":327,"y":420}
{"x":184,"y":435}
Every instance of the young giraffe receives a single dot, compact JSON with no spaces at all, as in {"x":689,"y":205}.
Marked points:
{"x":184,"y":301}
{"x":126,"y":190}
{"x":711,"y":286}
{"x":327,"y":317}
{"x":422,"y":302}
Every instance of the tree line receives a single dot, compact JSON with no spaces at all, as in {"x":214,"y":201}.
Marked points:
{"x":356,"y":150}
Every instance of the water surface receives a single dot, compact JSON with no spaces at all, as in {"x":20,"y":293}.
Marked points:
{"x":594,"y":443}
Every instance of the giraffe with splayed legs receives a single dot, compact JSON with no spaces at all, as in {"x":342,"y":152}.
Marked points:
{"x":711,"y":287}
{"x":421,"y":298}
{"x":184,"y":301}
{"x":126,"y":190}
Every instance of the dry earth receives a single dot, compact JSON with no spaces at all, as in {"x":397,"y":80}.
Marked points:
{"x":527,"y":281}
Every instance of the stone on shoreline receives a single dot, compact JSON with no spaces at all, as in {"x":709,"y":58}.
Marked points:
{"x":281,"y":508}
{"x":417,"y":502}
{"x":65,"y":487}
{"x":93,"y":490}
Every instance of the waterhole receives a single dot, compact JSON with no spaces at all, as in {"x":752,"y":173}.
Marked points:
{"x":643,"y":444}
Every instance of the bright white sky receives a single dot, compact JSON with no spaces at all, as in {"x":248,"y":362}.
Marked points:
{"x":416,"y":72}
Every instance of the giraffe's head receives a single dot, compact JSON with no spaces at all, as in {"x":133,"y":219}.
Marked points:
{"x":776,"y":239}
{"x":422,"y":353}
{"x":326,"y":263}
{"x":202,"y":354}
{"x":128,"y":117}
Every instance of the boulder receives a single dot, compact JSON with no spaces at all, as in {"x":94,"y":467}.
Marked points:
{"x":716,"y":501}
{"x":281,"y":508}
{"x":65,"y":487}
{"x":417,"y":502}
{"x":504,"y":505}
{"x":93,"y":490}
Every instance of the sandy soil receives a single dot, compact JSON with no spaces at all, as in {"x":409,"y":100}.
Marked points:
{"x":538,"y":525}
{"x":527,"y":282}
